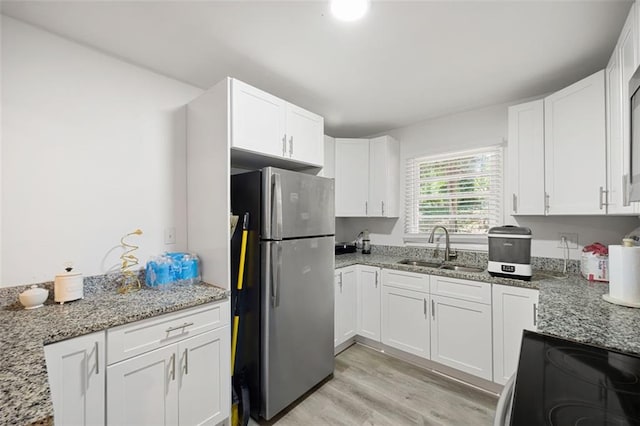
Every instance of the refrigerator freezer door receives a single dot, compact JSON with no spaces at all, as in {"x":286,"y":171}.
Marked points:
{"x":296,"y":205}
{"x":297,"y":319}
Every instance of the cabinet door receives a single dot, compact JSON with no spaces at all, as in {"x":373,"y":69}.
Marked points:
{"x":352,"y":177}
{"x":461,"y":335}
{"x":621,"y":67}
{"x":368,"y":306}
{"x":305,"y":136}
{"x":405,"y":320}
{"x":76,"y":370}
{"x":384,"y":169}
{"x":346,"y":304}
{"x":204,"y":385}
{"x":337,"y":308}
{"x":526,"y":159}
{"x":514,"y":310}
{"x":143,"y":390}
{"x":257,"y":121}
{"x":329,"y":167}
{"x":575,"y":149}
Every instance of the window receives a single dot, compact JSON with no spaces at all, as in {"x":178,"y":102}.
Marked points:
{"x":462,"y":191}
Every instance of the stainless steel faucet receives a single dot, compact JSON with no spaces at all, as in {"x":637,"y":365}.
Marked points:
{"x":448,"y":253}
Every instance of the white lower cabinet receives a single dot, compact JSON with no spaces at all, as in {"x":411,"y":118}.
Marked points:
{"x":345,"y":302}
{"x":204,"y":394}
{"x":183,"y":380}
{"x":514,"y":310}
{"x":405,"y":320}
{"x":184,"y":383}
{"x":368,"y":307}
{"x":143,"y":390}
{"x":471,"y":326}
{"x":461,"y":335}
{"x":76,"y":369}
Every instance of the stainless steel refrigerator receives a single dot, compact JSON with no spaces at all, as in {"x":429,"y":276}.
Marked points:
{"x":285,"y":343}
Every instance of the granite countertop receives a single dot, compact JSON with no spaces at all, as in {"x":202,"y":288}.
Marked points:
{"x":569,"y":306}
{"x":24,"y":387}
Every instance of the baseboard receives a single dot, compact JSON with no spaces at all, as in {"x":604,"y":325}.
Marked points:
{"x":452,"y":373}
{"x":344,"y":345}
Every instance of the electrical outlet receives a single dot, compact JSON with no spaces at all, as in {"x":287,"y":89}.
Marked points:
{"x":170,"y":235}
{"x":572,"y":240}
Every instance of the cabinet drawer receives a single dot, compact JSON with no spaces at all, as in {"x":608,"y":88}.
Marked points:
{"x":406,"y":280}
{"x":473,"y":291}
{"x":142,"y":336}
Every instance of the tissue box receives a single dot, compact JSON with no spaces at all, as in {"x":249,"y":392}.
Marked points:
{"x":594,"y":267}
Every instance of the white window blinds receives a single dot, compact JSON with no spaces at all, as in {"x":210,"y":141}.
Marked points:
{"x":462,"y":191}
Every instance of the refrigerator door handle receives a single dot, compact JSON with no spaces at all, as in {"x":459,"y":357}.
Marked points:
{"x":276,"y":267}
{"x":276,"y":208}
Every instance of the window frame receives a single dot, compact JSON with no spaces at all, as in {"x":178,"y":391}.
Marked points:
{"x":461,"y":240}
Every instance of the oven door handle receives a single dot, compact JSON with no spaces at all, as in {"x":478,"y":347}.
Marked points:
{"x":503,"y":409}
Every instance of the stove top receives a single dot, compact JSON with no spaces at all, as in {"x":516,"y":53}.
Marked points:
{"x":560,"y":382}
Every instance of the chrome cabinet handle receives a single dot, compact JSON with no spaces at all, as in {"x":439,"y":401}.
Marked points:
{"x":179,"y":327}
{"x":173,"y":366}
{"x":382,"y":202}
{"x":424,"y":307}
{"x":433,"y":309}
{"x":546,"y":202}
{"x":284,"y":145}
{"x":603,"y":193}
{"x":186,"y":361}
{"x":340,"y":282}
{"x":535,"y":314}
{"x":376,"y":279}
{"x":515,"y":203}
{"x":95,"y":349}
{"x":290,"y":146}
{"x":366,"y":207}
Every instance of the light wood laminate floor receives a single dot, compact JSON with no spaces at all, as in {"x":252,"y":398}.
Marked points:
{"x":371,"y":388}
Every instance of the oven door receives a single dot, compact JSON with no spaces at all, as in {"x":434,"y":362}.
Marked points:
{"x":503,"y":409}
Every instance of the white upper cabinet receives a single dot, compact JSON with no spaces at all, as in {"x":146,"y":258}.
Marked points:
{"x":352,"y":177}
{"x":526,"y":159}
{"x":258,"y":120}
{"x":266,"y":125}
{"x":305,"y":135}
{"x":621,"y":67}
{"x":575,"y":148}
{"x":384,"y":177}
{"x":367,"y":177}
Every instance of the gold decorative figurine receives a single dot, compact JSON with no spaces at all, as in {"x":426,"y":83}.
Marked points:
{"x":129,"y":280}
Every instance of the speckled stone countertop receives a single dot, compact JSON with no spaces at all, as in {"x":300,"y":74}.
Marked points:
{"x":24,"y":387}
{"x":569,"y":306}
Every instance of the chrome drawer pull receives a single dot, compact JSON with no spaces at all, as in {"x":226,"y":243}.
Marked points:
{"x":179,"y":327}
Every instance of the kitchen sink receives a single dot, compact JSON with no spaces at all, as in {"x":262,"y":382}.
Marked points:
{"x":424,"y":263}
{"x":461,"y":268}
{"x":437,"y":265}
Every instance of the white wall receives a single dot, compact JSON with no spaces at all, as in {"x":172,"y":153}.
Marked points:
{"x":92,"y":148}
{"x":472,"y":129}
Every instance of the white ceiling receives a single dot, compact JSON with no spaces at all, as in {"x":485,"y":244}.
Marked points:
{"x":406,"y":61}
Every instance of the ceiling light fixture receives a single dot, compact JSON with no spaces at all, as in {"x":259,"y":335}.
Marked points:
{"x":349,"y":10}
